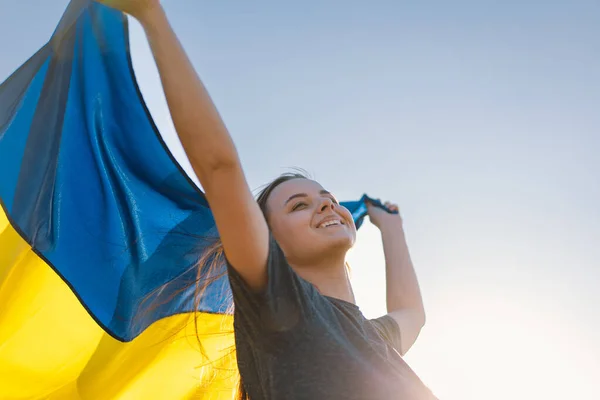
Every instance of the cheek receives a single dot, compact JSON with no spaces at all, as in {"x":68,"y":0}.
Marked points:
{"x":346,"y":214}
{"x":297,"y":228}
{"x":291,"y":228}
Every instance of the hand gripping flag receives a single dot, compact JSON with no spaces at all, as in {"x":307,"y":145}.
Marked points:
{"x":100,"y":234}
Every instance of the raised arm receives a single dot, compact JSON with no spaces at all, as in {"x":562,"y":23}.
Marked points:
{"x":404,"y":302}
{"x":208,"y":145}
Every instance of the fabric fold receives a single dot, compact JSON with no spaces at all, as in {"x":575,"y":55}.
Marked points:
{"x":100,"y":233}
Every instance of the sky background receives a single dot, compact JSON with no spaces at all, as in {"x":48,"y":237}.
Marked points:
{"x":480,"y":118}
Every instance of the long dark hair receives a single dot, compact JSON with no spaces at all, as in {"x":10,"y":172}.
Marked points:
{"x":261,"y":199}
{"x":209,"y":267}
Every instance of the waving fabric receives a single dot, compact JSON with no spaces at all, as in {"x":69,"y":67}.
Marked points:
{"x":100,"y":233}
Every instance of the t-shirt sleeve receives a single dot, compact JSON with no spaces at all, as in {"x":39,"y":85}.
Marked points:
{"x":286,"y":301}
{"x":389,"y":330}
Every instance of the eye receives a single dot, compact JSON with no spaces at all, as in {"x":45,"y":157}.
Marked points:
{"x":334,"y":200}
{"x":299,"y":206}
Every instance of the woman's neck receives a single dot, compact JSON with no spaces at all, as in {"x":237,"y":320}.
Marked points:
{"x":330,"y":277}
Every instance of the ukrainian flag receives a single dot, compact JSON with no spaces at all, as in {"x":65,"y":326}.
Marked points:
{"x":100,"y":234}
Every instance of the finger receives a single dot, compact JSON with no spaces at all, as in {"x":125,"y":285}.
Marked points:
{"x":390,"y":206}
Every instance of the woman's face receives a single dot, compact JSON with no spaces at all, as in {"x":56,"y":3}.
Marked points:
{"x":308,"y":223}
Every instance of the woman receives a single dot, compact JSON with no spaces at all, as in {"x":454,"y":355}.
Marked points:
{"x":298,"y":333}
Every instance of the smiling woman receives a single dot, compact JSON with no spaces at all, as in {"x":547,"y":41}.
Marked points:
{"x":297,"y":211}
{"x":298,"y":333}
{"x":307,"y":293}
{"x":97,"y":215}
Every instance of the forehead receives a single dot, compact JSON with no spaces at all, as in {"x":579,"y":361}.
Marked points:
{"x":289,"y":188}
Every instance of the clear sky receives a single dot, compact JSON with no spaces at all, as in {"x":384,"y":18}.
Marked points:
{"x":480,"y":118}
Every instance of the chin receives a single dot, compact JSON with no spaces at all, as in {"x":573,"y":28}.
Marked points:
{"x":317,"y":249}
{"x":338,"y":242}
{"x":337,"y":235}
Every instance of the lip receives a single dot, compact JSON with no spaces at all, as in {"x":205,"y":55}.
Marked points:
{"x":331,"y":218}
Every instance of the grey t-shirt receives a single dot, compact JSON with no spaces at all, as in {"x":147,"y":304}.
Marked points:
{"x":293,"y":343}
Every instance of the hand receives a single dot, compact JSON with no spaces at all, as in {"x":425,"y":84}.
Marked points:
{"x":135,"y":8}
{"x":382,"y":218}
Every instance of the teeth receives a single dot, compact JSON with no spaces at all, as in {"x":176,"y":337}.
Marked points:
{"x":329,"y":223}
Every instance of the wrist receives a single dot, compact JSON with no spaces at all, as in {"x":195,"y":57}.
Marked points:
{"x":391,"y":226}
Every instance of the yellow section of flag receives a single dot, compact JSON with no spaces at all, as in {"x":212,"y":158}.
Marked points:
{"x":51,"y":348}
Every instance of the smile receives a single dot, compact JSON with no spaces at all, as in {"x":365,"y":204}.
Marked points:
{"x":331,"y":222}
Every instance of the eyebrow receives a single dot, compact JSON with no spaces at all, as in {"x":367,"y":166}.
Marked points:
{"x":295,"y":196}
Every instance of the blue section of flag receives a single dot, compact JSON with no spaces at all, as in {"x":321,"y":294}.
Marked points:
{"x":89,"y":183}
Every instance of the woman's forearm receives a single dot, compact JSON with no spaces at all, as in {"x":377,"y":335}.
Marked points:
{"x":402,"y":287}
{"x":199,"y":126}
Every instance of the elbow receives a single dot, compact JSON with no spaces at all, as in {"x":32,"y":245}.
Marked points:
{"x":210,"y":153}
{"x":419,"y":314}
{"x":420,"y":318}
{"x":416,"y":312}
{"x":219,"y":164}
{"x":213,"y":166}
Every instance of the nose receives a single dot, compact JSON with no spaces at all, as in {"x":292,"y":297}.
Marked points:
{"x":327,"y":203}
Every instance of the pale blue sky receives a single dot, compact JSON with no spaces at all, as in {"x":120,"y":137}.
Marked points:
{"x":479,"y":117}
